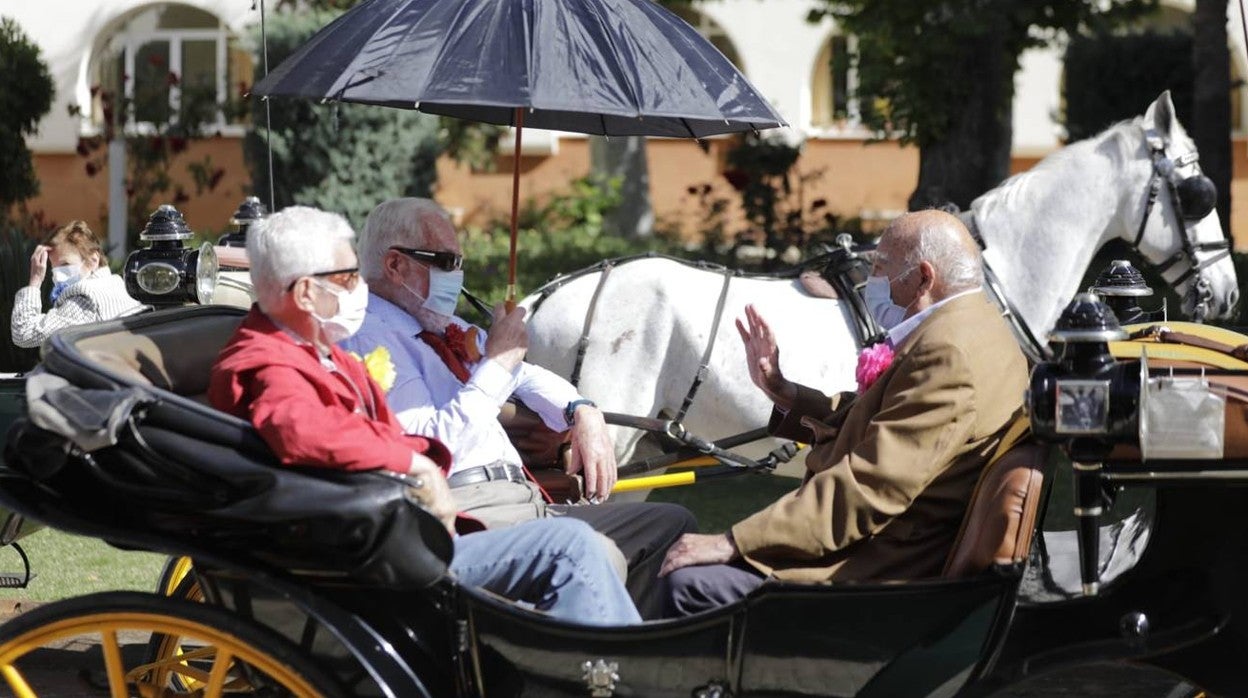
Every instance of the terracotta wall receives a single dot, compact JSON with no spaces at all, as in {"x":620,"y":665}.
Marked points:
{"x":68,"y":193}
{"x":856,"y":179}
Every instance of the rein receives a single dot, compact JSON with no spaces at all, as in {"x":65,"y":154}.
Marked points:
{"x":1035,"y":350}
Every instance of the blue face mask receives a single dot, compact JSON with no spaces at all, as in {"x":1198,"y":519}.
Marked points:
{"x":63,"y":277}
{"x":878,"y":296}
{"x":444,"y":289}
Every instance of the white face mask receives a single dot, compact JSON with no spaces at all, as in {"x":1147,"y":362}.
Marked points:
{"x":66,"y":273}
{"x":444,"y":289}
{"x":878,"y":295}
{"x":352,"y":307}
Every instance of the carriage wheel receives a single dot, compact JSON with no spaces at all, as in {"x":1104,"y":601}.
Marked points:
{"x":102,"y":637}
{"x":176,"y":581}
{"x":175,"y":570}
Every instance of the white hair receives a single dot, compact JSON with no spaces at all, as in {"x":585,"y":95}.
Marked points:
{"x":296,"y":241}
{"x":942,"y":246}
{"x":395,"y":222}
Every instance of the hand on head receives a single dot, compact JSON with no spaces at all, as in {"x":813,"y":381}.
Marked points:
{"x":39,"y":265}
{"x":762,"y":357}
{"x":509,"y":338}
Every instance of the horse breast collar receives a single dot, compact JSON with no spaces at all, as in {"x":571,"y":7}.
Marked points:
{"x":1192,"y":198}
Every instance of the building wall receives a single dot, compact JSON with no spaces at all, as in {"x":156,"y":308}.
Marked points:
{"x":778,"y":52}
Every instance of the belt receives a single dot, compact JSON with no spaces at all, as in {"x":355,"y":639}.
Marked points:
{"x":487,"y":473}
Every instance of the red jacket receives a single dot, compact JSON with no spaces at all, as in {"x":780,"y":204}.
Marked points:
{"x":307,"y":414}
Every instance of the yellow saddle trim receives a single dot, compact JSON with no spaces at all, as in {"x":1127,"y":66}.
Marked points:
{"x":1182,"y":352}
{"x":1018,"y":430}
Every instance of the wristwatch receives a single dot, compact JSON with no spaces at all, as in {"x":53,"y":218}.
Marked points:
{"x":569,"y":412}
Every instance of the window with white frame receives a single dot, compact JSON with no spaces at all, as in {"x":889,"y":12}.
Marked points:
{"x":170,"y":64}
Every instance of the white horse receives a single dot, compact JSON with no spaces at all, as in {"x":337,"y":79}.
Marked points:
{"x":1041,"y":229}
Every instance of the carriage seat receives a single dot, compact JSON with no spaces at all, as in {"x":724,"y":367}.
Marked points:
{"x":186,"y":478}
{"x":172,"y":356}
{"x":1001,"y":517}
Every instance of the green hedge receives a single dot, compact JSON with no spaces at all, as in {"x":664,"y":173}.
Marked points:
{"x":1110,"y":78}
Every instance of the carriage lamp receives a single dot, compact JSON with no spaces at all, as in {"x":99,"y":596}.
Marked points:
{"x":1121,"y":286}
{"x":248,"y":212}
{"x":1087,"y":401}
{"x":167,"y":272}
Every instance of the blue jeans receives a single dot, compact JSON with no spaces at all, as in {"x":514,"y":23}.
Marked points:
{"x":558,"y":565}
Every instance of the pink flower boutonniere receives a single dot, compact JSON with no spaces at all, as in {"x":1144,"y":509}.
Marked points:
{"x":873,"y":361}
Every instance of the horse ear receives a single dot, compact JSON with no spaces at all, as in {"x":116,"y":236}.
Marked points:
{"x":1160,"y":115}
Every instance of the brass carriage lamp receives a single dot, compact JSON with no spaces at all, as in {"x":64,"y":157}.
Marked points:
{"x":248,"y":212}
{"x":1121,"y":286}
{"x":167,"y":272}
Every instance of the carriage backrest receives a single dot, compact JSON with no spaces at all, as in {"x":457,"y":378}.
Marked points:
{"x":174,"y":356}
{"x":1001,"y":517}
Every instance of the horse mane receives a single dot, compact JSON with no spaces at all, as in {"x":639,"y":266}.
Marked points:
{"x":1027,"y":193}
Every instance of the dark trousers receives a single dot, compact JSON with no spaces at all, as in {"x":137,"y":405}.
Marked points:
{"x":643,"y":531}
{"x":704,"y":587}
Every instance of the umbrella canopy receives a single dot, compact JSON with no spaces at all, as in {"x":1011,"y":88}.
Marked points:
{"x":605,"y":67}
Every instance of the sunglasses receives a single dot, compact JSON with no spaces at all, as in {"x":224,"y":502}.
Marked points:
{"x":343,"y":278}
{"x":446,"y":261}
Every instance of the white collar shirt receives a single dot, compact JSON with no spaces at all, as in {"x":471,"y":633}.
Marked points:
{"x":898,"y":334}
{"x":430,"y":401}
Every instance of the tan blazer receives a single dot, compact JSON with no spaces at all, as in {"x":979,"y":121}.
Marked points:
{"x":891,"y":471}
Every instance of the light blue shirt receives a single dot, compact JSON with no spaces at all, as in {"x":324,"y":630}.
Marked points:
{"x":430,"y":401}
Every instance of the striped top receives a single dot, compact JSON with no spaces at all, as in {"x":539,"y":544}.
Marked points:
{"x":97,"y":297}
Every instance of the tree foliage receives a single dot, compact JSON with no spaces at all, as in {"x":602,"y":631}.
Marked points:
{"x":918,"y":62}
{"x":340,"y":157}
{"x":26,"y":92}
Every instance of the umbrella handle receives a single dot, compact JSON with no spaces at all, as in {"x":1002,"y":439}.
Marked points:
{"x":515,"y":204}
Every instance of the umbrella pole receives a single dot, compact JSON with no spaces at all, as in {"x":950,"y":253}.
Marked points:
{"x":515,"y":212}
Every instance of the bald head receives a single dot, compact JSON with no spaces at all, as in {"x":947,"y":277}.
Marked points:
{"x":940,"y":240}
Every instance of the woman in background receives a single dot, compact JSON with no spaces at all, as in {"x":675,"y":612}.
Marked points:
{"x":83,"y":288}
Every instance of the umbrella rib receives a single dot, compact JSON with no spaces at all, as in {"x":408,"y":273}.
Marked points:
{"x":633,"y":92}
{"x":344,"y":81}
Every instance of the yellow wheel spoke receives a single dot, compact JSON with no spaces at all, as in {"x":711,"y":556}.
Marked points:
{"x":113,"y":665}
{"x":220,"y":668}
{"x":17,"y":682}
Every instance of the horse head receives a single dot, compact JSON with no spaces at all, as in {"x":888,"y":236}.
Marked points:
{"x":1175,"y":225}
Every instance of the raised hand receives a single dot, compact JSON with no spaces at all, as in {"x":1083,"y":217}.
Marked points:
{"x":762,"y":357}
{"x":38,"y":265}
{"x":509,"y":338}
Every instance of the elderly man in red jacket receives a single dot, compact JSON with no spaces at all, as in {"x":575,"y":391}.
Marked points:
{"x":315,"y":405}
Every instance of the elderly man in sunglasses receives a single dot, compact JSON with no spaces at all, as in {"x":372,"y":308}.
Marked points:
{"x":315,"y":406}
{"x":439,"y":387}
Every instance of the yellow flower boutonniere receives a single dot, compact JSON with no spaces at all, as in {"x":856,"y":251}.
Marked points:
{"x":380,"y":367}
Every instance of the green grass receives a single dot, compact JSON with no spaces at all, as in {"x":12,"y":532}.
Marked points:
{"x":68,"y":565}
{"x":719,"y":504}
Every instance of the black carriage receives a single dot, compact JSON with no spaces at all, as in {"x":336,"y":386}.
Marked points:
{"x":322,"y":583}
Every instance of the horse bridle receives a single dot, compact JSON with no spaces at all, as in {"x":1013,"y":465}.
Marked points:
{"x":1191,"y":198}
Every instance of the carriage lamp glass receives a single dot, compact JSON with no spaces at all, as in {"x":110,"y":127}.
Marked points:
{"x":167,"y":272}
{"x":1082,"y":406}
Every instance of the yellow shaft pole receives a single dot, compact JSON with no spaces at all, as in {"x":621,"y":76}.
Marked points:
{"x":655,"y":481}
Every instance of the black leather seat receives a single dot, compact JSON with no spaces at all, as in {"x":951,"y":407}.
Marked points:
{"x":193,"y":476}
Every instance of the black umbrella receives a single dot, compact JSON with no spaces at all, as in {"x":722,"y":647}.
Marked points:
{"x":606,"y":67}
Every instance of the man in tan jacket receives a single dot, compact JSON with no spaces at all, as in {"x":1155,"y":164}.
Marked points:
{"x":891,"y":470}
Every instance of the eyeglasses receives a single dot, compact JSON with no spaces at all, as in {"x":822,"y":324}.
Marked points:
{"x":446,"y":261}
{"x":343,"y":278}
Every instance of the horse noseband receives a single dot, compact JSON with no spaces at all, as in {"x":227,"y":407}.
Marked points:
{"x":1197,"y":196}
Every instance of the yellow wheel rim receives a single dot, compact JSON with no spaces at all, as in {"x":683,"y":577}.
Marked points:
{"x":213,"y":665}
{"x":181,"y":568}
